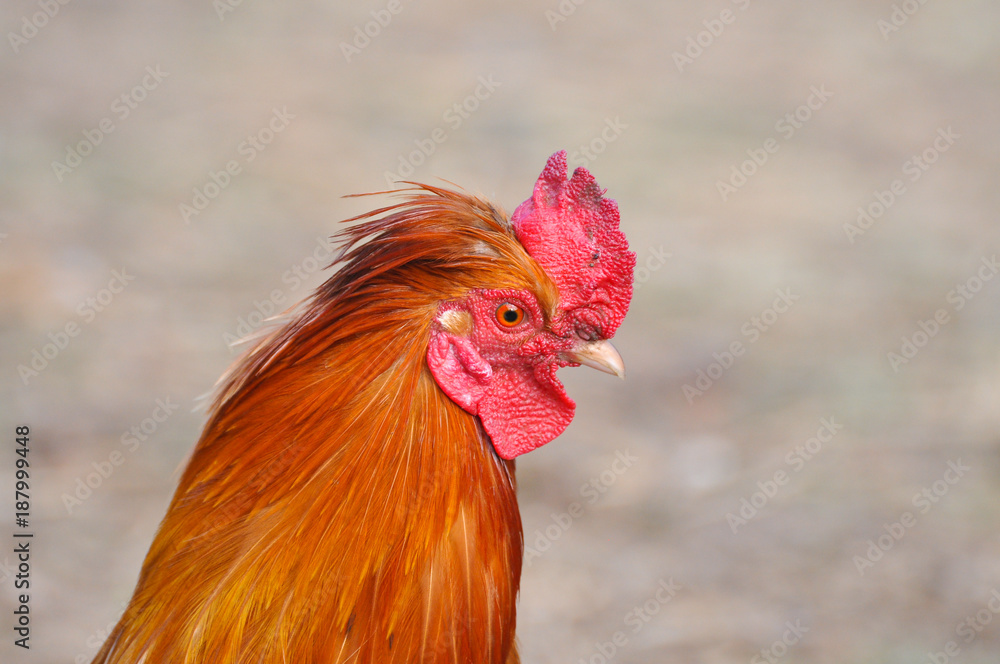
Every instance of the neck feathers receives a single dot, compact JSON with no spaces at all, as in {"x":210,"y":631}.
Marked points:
{"x":339,"y":507}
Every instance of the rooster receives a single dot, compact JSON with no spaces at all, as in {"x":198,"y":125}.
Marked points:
{"x":352,"y":497}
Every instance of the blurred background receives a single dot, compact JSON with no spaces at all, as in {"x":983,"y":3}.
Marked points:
{"x":802,"y":465}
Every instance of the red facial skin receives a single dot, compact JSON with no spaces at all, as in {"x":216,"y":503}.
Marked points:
{"x":505,"y":375}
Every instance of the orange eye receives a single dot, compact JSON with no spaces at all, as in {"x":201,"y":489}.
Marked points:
{"x":509,"y":315}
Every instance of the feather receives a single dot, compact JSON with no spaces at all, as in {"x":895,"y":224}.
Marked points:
{"x":338,"y":506}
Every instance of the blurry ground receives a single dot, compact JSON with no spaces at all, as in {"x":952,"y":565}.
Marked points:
{"x":665,"y":120}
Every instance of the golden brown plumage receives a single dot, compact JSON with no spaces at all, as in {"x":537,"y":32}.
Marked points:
{"x":339,"y":506}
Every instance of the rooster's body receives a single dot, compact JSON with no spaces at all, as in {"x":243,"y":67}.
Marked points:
{"x":352,"y":498}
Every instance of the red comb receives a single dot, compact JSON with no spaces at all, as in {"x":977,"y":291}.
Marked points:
{"x":572,"y":231}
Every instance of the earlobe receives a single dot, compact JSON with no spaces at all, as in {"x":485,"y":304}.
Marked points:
{"x":459,"y":369}
{"x":520,"y":410}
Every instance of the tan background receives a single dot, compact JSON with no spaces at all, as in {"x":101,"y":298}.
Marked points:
{"x":711,"y":265}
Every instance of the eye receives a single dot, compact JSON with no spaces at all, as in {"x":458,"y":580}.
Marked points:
{"x":509,"y":315}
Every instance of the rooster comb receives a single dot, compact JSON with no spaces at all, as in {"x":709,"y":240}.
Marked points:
{"x":573,"y":232}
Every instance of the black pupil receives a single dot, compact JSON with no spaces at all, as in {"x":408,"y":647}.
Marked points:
{"x":510,"y":315}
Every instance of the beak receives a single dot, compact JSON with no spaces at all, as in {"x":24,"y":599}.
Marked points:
{"x":600,"y":355}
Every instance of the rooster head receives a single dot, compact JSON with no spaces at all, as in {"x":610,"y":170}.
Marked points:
{"x":495,"y":352}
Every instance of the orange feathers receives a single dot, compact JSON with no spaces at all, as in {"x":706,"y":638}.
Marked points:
{"x":351,"y":497}
{"x":339,"y":507}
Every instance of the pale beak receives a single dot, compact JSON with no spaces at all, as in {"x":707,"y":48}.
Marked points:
{"x":600,"y":355}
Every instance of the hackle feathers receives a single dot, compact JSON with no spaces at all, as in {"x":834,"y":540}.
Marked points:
{"x":327,"y":440}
